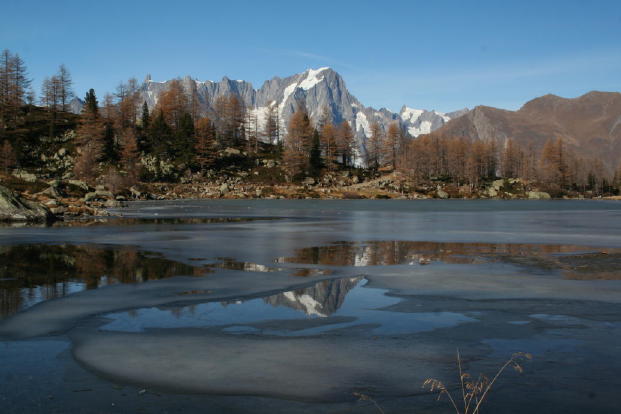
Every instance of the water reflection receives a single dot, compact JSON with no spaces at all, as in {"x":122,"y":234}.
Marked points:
{"x":33,"y":273}
{"x":574,"y":262}
{"x":129,"y":221}
{"x":323,"y":307}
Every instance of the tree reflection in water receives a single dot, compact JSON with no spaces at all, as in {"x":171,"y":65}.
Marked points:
{"x":33,"y":273}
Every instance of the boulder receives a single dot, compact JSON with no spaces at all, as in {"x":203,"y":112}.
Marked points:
{"x":14,"y":208}
{"x":538,"y":195}
{"x":25,"y":176}
{"x":135,"y":192}
{"x":498,"y":184}
{"x":79,"y":184}
{"x":309,"y":181}
{"x":231,"y":151}
{"x":442,"y":194}
{"x":98,"y":195}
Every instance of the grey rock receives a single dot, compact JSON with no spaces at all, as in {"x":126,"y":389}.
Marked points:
{"x":14,"y":208}
{"x":98,"y":195}
{"x":231,"y":151}
{"x":24,"y":175}
{"x":538,"y":195}
{"x":442,"y":194}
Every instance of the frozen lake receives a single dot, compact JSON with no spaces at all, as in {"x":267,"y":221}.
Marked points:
{"x":294,"y":306}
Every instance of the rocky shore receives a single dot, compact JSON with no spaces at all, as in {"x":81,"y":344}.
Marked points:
{"x":35,"y":199}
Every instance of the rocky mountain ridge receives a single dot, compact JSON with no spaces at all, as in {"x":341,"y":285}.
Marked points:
{"x":589,"y":124}
{"x":316,"y":89}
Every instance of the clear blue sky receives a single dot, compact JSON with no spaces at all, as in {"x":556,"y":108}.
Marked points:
{"x":426,"y":54}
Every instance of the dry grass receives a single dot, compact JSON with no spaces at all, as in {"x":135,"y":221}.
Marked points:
{"x":474,"y":392}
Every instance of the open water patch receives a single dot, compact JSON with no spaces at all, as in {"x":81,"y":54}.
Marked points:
{"x":323,"y":307}
{"x":30,"y":274}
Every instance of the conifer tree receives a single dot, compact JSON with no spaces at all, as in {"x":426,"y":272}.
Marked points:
{"x":64,"y":84}
{"x":374,"y":146}
{"x":314,"y":162}
{"x":90,"y":139}
{"x":345,"y":142}
{"x":145,"y":118}
{"x":328,"y":144}
{"x":160,"y":135}
{"x":390,"y":145}
{"x":205,"y":146}
{"x":298,"y":143}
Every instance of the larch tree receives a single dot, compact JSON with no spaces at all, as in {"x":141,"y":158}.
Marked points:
{"x":271,"y":129}
{"x":553,"y":164}
{"x":390,"y":145}
{"x":298,"y":143}
{"x":374,"y":145}
{"x":65,"y":87}
{"x":252,"y":132}
{"x":130,"y":155}
{"x":230,"y":111}
{"x":329,"y":144}
{"x":512,"y":158}
{"x":205,"y":147}
{"x":174,"y":103}
{"x":345,"y":142}
{"x":90,"y":139}
{"x":14,"y":83}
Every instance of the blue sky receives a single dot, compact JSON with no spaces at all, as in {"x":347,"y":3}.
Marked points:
{"x":426,"y":54}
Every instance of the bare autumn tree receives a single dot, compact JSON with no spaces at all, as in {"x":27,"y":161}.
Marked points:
{"x":345,"y":142}
{"x":230,"y":111}
{"x":553,"y":164}
{"x":50,"y":94}
{"x":374,"y":145}
{"x":328,"y":142}
{"x":390,"y":145}
{"x":298,"y":142}
{"x":90,"y":139}
{"x":65,"y":91}
{"x":14,"y":82}
{"x":457,"y":150}
{"x":512,"y":159}
{"x":174,"y":103}
{"x":130,"y":156}
{"x":271,"y":129}
{"x":206,"y":145}
{"x":252,"y":132}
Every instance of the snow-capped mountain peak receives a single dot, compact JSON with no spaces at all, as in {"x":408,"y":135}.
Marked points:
{"x":316,"y":89}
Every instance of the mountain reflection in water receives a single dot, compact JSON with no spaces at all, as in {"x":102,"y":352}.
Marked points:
{"x":574,"y":262}
{"x":325,"y":306}
{"x":33,"y":273}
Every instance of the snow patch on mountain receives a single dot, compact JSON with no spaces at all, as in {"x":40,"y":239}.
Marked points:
{"x":362,"y":123}
{"x":312,"y":78}
{"x":411,"y":114}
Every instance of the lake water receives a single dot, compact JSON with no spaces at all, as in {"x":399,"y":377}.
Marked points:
{"x":302,"y":306}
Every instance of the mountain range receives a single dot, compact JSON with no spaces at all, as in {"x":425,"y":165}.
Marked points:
{"x":589,"y":124}
{"x":315,"y":88}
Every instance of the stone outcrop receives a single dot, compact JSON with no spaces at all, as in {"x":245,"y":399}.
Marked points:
{"x":14,"y":208}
